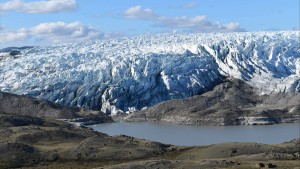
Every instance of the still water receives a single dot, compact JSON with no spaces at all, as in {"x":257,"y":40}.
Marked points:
{"x":202,"y":135}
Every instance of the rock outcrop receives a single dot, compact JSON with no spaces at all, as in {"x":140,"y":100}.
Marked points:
{"x":233,"y":102}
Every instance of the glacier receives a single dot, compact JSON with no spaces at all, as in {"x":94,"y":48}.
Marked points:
{"x":129,"y":74}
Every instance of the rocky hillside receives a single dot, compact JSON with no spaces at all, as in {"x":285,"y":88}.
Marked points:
{"x":232,"y":102}
{"x":32,"y":107}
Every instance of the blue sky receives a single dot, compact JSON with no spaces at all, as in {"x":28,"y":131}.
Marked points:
{"x":44,"y":22}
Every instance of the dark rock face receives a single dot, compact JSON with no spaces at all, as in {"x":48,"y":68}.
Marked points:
{"x":270,"y":165}
{"x":261,"y":165}
{"x":14,"y":52}
{"x":233,"y":102}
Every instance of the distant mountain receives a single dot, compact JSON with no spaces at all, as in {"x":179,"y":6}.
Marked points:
{"x":129,"y":74}
{"x":9,"y":49}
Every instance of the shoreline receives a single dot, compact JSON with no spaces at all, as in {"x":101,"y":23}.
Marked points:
{"x":180,"y":120}
{"x":187,"y":135}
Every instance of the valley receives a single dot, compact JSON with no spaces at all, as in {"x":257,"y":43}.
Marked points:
{"x":29,"y":141}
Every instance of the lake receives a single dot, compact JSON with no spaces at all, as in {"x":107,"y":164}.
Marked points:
{"x":202,"y":135}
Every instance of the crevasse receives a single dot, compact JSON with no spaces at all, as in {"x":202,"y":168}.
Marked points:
{"x":131,"y":73}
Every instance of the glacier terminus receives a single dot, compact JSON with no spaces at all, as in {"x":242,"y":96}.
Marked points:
{"x":129,"y":74}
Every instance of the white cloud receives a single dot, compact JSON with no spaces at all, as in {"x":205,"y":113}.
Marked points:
{"x":46,"y":6}
{"x":193,"y":24}
{"x":190,"y":5}
{"x":137,"y":12}
{"x":182,"y":22}
{"x":200,"y":24}
{"x":65,"y":32}
{"x":53,"y":32}
{"x":13,"y":36}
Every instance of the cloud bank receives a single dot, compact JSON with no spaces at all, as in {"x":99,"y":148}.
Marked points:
{"x":194,"y":24}
{"x":54,"y":32}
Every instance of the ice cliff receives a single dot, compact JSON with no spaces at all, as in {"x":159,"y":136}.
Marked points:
{"x":131,"y":73}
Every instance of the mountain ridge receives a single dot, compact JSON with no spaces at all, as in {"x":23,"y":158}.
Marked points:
{"x":232,"y":102}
